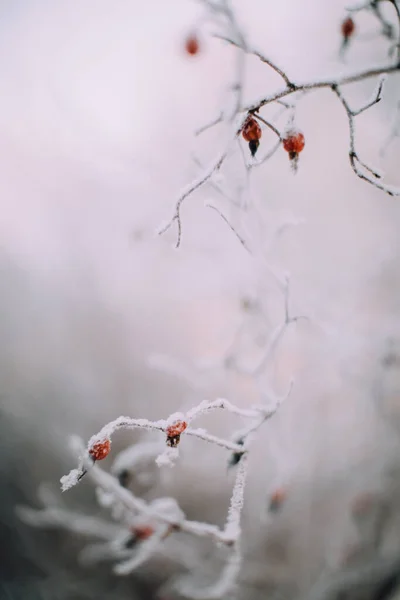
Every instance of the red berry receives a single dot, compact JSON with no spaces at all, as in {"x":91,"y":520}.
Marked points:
{"x":294,"y":142}
{"x":348,"y":27}
{"x":251,"y":130}
{"x":252,"y":133}
{"x":174,"y":431}
{"x":100,"y":450}
{"x":192,"y":45}
{"x":142,"y":532}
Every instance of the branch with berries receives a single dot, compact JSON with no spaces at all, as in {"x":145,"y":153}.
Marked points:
{"x":248,"y":121}
{"x":150,"y":524}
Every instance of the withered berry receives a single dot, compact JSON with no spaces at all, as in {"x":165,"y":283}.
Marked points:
{"x":236,"y":456}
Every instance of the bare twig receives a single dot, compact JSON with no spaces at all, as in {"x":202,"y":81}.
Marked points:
{"x":259,"y":55}
{"x":355,"y":161}
{"x":231,"y":227}
{"x":198,"y":183}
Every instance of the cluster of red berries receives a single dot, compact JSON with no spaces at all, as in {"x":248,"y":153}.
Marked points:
{"x":293,"y":141}
{"x":174,"y":431}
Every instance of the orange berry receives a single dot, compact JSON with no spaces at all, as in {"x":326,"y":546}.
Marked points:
{"x":174,"y":433}
{"x":100,"y":450}
{"x":294,"y":142}
{"x":192,"y":45}
{"x":252,"y":133}
{"x":348,"y":27}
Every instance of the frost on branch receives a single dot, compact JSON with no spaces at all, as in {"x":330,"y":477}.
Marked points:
{"x":68,"y":481}
{"x":141,"y":528}
{"x":248,"y":119}
{"x":151,"y":523}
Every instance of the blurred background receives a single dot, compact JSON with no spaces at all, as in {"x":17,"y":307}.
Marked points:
{"x":99,"y":104}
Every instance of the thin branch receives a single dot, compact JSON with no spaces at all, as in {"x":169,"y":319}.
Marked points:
{"x":356,"y":163}
{"x":376,"y":97}
{"x":268,"y":124}
{"x":207,"y":126}
{"x":259,"y":55}
{"x":231,"y":227}
{"x":321,"y":84}
{"x":215,"y":166}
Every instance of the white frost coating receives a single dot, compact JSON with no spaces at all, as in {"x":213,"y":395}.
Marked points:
{"x":124,"y":423}
{"x":232,"y":527}
{"x":213,"y":439}
{"x":175,"y":417}
{"x":221,"y":403}
{"x":68,"y":520}
{"x":224,"y":585}
{"x":68,"y":481}
{"x":105,"y":499}
{"x":231,"y":536}
{"x":95,"y":553}
{"x":169,"y":507}
{"x":168,"y":457}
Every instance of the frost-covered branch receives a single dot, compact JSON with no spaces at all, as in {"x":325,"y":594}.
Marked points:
{"x":224,"y":17}
{"x":195,"y":185}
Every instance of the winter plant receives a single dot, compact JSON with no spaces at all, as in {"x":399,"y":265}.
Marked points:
{"x":139,"y":529}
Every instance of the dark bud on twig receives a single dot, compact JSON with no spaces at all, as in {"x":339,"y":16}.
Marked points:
{"x":236,"y":456}
{"x":173,"y":440}
{"x":82,"y":473}
{"x":131,"y":542}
